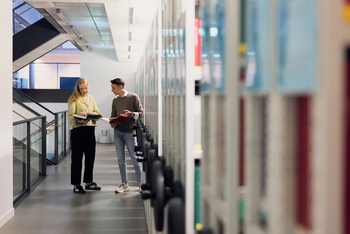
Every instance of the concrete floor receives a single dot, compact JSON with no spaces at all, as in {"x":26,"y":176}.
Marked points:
{"x":54,"y":208}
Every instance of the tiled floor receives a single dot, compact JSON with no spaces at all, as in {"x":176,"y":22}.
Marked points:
{"x":54,"y":208}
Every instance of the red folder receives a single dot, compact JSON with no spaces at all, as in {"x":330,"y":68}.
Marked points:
{"x":119,"y":119}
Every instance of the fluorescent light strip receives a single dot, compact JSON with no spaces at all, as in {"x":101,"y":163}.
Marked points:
{"x":129,"y":49}
{"x":130,"y":36}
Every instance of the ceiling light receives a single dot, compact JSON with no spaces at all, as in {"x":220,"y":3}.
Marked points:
{"x":89,"y":48}
{"x":74,"y":30}
{"x":128,"y":56}
{"x":61,"y":15}
{"x":130,"y":36}
{"x":129,"y":49}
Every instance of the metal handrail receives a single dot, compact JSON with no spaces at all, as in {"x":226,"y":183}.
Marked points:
{"x":61,"y":112}
{"x":27,"y":120}
{"x":36,"y":124}
{"x":25,"y":106}
{"x":26,"y":96}
{"x":30,"y":120}
{"x":53,"y":124}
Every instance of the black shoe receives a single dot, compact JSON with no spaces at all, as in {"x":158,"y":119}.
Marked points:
{"x":92,"y":186}
{"x":79,"y":189}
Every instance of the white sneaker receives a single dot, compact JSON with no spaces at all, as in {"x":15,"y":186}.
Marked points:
{"x":122,"y":188}
{"x":140,"y":189}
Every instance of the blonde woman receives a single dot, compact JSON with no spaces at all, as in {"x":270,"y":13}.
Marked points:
{"x":82,"y":136}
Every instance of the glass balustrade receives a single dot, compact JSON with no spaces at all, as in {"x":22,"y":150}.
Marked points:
{"x":19,"y":159}
{"x":68,"y":146}
{"x":29,"y":150}
{"x":58,"y":135}
{"x":60,"y":120}
{"x":36,"y":142}
{"x":50,"y":141}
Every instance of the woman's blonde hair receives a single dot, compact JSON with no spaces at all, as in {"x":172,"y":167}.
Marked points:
{"x":76,"y":93}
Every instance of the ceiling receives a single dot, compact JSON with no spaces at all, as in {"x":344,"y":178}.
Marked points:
{"x":104,"y":24}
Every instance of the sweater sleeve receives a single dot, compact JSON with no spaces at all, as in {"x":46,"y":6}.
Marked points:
{"x":114,"y":110}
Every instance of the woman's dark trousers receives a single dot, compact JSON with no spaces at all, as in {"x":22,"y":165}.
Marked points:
{"x":83,"y":142}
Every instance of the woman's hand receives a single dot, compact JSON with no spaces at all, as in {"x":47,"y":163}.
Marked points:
{"x":82,"y":121}
{"x":82,"y":113}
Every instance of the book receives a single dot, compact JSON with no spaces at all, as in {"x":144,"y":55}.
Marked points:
{"x":118,"y":120}
{"x":88,"y":115}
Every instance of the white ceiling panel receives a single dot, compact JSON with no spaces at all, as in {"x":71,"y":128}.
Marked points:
{"x":104,"y":24}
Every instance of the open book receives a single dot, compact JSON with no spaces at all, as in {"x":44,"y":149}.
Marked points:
{"x":88,"y":115}
{"x":118,"y":120}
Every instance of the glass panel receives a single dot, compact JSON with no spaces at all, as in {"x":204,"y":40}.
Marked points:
{"x":67,"y":133}
{"x":19,"y":158}
{"x":24,"y":15}
{"x":35,"y":150}
{"x":50,"y":143}
{"x":60,"y":134}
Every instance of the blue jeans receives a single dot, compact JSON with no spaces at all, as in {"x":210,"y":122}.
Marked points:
{"x":120,"y":139}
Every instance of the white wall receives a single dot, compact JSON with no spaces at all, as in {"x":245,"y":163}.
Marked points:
{"x":47,"y":75}
{"x":99,"y":67}
{"x":68,"y":70}
{"x":6,"y":161}
{"x":24,"y":72}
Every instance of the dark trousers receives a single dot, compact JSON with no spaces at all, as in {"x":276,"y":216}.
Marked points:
{"x":83,"y":142}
